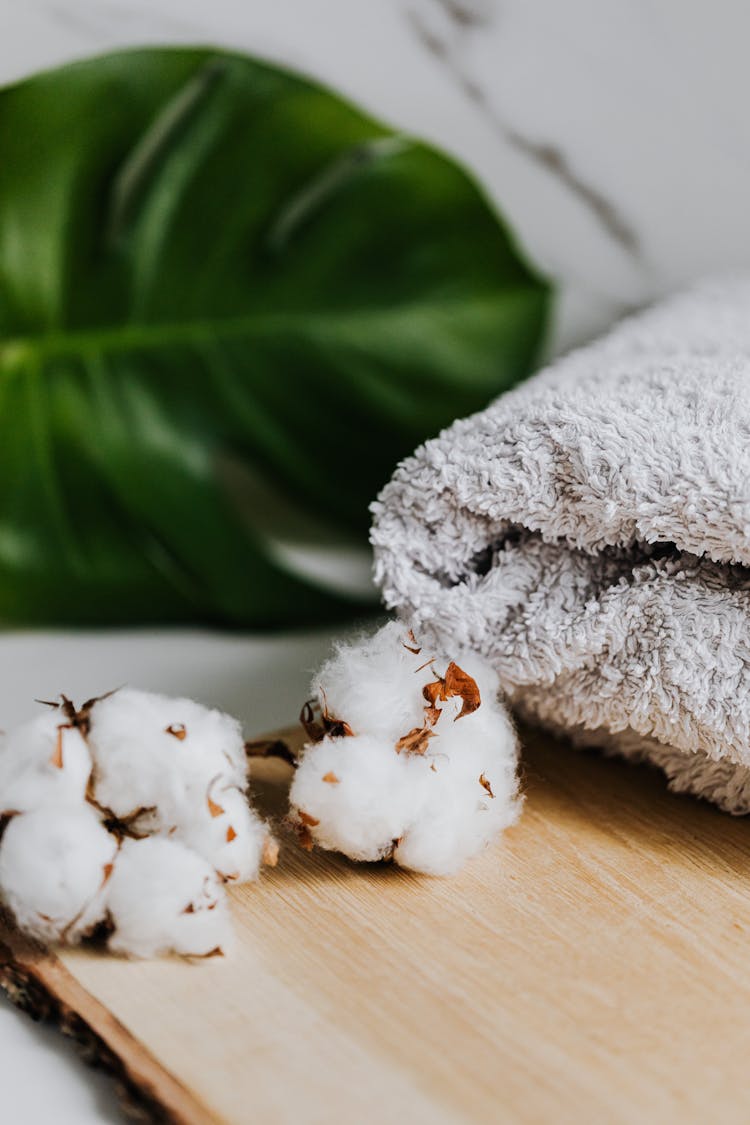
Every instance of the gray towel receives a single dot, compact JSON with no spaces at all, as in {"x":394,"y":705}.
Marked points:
{"x":590,"y":534}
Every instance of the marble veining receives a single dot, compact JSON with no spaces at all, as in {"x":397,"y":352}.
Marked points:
{"x":549,"y":156}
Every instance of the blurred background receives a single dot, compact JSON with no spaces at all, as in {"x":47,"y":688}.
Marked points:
{"x":611,"y":135}
{"x":204,"y":483}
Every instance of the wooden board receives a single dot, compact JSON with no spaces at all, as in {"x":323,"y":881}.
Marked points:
{"x":595,"y":967}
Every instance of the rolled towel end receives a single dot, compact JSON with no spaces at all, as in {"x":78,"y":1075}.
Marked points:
{"x":587,"y":535}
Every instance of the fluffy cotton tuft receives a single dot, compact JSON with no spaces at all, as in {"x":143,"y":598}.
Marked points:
{"x":163,"y":898}
{"x":418,"y":762}
{"x":227,"y":833}
{"x":371,"y":685}
{"x":172,"y":766}
{"x":355,"y":795}
{"x":43,"y":762}
{"x":129,"y":768}
{"x":55,"y":865}
{"x":146,"y":746}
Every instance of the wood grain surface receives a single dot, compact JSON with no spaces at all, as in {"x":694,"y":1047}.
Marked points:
{"x":591,"y":968}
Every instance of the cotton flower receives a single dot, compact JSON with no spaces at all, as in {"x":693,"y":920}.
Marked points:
{"x":354,"y":795}
{"x":44,"y":761}
{"x":80,"y":787}
{"x":151,"y":750}
{"x":412,"y":756}
{"x":172,"y":766}
{"x":54,"y":868}
{"x":227,"y":833}
{"x":163,"y":898}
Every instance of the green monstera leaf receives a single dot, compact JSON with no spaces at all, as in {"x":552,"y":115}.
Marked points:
{"x":229,"y":303}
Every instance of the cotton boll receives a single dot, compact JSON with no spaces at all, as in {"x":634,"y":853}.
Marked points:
{"x":183,"y":765}
{"x":152,"y":751}
{"x":359,"y":792}
{"x":373,"y":685}
{"x":54,"y":869}
{"x":44,"y":761}
{"x":163,"y":898}
{"x":166,"y":771}
{"x":429,"y":775}
{"x":226,"y":832}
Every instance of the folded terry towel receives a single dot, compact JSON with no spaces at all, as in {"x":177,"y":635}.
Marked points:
{"x":590,"y":534}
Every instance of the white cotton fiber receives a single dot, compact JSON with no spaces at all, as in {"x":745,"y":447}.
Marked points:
{"x":163,"y":898}
{"x":44,"y":761}
{"x":227,"y":833}
{"x":371,"y":684}
{"x":185,"y":765}
{"x":360,"y":792}
{"x":128,"y":768}
{"x":427,"y":780}
{"x":153,"y":750}
{"x":55,"y":865}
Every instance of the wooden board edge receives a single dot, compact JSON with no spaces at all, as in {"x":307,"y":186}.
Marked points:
{"x":38,"y":983}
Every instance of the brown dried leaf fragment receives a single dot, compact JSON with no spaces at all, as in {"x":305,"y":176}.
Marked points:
{"x":433,"y":692}
{"x":80,"y":717}
{"x":213,"y":808}
{"x":455,"y":682}
{"x":108,"y":869}
{"x":330,"y":778}
{"x":415,"y":742}
{"x":305,"y":818}
{"x":5,"y":820}
{"x":270,"y":855}
{"x":410,"y":644}
{"x":431,"y":715}
{"x":337,"y":728}
{"x":122,"y":826}
{"x":484,"y":782}
{"x":314,"y":728}
{"x":177,"y":730}
{"x":77,"y":718}
{"x":334,"y":728}
{"x":326,"y":726}
{"x":57,"y":759}
{"x":458,"y":682}
{"x":231,"y":834}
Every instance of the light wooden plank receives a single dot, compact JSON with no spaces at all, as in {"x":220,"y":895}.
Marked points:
{"x":593,"y":967}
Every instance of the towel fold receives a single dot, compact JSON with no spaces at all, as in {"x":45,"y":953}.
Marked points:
{"x":589,"y":533}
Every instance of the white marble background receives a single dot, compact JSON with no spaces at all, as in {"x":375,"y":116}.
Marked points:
{"x":615,"y":136}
